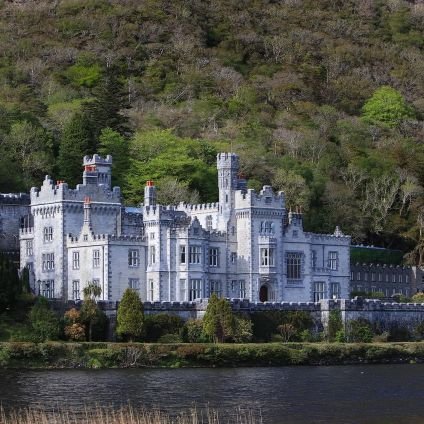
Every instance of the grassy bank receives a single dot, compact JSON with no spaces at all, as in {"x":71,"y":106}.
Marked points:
{"x":125,"y":355}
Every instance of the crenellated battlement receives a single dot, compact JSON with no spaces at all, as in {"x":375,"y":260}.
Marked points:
{"x":97,"y":160}
{"x":73,"y":240}
{"x":14,"y":199}
{"x":227,"y":160}
{"x":51,"y":192}
{"x":266,"y":198}
{"x":201,"y":207}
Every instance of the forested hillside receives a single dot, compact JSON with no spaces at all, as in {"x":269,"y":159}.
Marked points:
{"x":322,"y":99}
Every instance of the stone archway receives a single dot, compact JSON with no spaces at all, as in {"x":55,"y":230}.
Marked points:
{"x":264,"y":293}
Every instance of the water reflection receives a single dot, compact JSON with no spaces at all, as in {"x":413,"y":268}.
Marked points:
{"x":345,"y":394}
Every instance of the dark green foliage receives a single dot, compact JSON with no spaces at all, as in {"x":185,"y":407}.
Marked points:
{"x":76,"y":142}
{"x":104,"y":111}
{"x":44,"y":322}
{"x":95,"y":320}
{"x":10,"y":284}
{"x":130,"y":316}
{"x":359,"y":331}
{"x":375,"y":256}
{"x":335,"y":325}
{"x":286,"y":87}
{"x":265,"y":323}
{"x":158,"y":325}
{"x":192,"y":332}
{"x":399,"y":333}
{"x":219,"y":322}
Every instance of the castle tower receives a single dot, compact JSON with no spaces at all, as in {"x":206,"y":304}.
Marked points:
{"x":150,"y":194}
{"x":98,"y":170}
{"x":228,"y":166}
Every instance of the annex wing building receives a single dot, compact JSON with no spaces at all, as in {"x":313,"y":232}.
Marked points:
{"x":247,"y":245}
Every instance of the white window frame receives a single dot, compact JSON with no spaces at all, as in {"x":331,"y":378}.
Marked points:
{"x":75,"y":260}
{"x":242,"y":289}
{"x":96,"y":258}
{"x":267,"y":256}
{"x":48,"y":234}
{"x":335,"y":290}
{"x":151,"y":290}
{"x":333,"y":260}
{"x":319,"y":290}
{"x":76,"y":290}
{"x":214,"y":257}
{"x":133,"y":258}
{"x":183,"y":254}
{"x":29,"y":248}
{"x":195,"y":291}
{"x":294,"y":265}
{"x":195,"y":254}
{"x":216,"y":287}
{"x":134,"y":284}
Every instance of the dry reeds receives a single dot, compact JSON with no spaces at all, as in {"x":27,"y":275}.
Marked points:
{"x":126,"y":415}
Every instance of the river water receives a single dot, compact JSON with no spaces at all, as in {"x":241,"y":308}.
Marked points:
{"x":338,"y":394}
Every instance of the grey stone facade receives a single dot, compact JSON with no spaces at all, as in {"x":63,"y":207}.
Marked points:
{"x":14,"y":214}
{"x":247,"y":245}
{"x":387,"y":279}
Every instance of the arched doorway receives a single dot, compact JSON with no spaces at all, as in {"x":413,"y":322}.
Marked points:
{"x":263,"y":293}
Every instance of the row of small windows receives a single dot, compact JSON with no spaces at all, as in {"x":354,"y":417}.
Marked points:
{"x":365,"y":276}
{"x":388,"y":292}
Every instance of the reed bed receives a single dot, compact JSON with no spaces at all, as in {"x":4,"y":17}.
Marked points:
{"x":127,"y":415}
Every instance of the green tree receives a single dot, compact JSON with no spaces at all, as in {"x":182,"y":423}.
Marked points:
{"x":113,"y":143}
{"x":130,"y":316}
{"x":105,"y":111}
{"x":386,"y":106}
{"x":44,"y":322}
{"x":76,"y":142}
{"x":219,"y":322}
{"x":91,"y":315}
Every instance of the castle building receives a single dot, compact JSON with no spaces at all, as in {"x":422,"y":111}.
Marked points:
{"x":247,"y":245}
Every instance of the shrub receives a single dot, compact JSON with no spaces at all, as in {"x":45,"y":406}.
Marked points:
{"x":359,"y":331}
{"x":419,"y":331}
{"x":334,"y":325}
{"x":130,"y":316}
{"x":398,"y":333}
{"x":219,"y":321}
{"x":265,"y":323}
{"x":192,"y":332}
{"x":160,"y":324}
{"x":243,"y":330}
{"x":418,"y":297}
{"x":169,"y":338}
{"x":44,"y":322}
{"x":340,"y":336}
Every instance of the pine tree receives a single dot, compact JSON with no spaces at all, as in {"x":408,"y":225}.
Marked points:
{"x":130,"y":316}
{"x":105,"y":110}
{"x":77,"y":141}
{"x":113,"y":143}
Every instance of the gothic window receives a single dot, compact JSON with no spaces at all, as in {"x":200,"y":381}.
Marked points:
{"x":267,"y":256}
{"x":209,"y":222}
{"x":195,"y":289}
{"x":214,"y":257}
{"x":96,"y":258}
{"x":48,"y":261}
{"x":75,"y":290}
{"x":134,"y":258}
{"x":48,"y":234}
{"x":47,"y":289}
{"x":319,"y":291}
{"x":75,"y":260}
{"x":333,"y":260}
{"x":182,"y":254}
{"x":183,"y":289}
{"x":151,"y":290}
{"x":242,"y":289}
{"x":28,"y":246}
{"x":152,"y":255}
{"x":134,"y":284}
{"x":195,"y":254}
{"x":216,"y":288}
{"x":335,"y":290}
{"x":314,"y":258}
{"x":294,"y":265}
{"x":233,"y":257}
{"x":267,"y":227}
